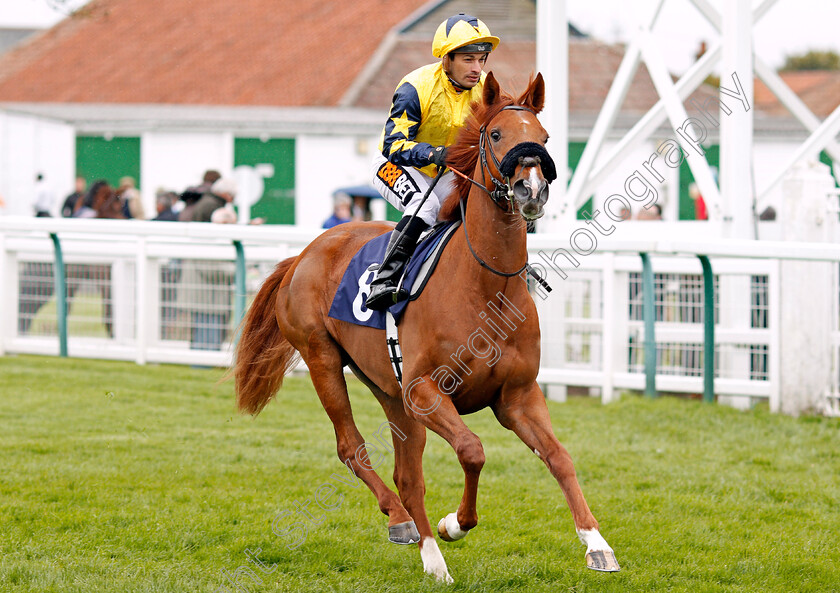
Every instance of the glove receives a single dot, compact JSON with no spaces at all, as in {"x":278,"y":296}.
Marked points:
{"x":438,"y":156}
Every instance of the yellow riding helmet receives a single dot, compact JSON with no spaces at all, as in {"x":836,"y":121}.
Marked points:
{"x":463,"y":33}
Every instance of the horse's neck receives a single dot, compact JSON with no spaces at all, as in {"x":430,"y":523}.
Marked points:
{"x":496,"y":236}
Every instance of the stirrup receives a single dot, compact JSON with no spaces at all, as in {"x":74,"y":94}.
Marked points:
{"x":385,"y":297}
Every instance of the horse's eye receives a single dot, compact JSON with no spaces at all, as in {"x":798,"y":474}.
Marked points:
{"x":495,"y":135}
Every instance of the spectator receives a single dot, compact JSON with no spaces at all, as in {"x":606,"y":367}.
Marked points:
{"x":164,"y":201}
{"x":341,"y":211}
{"x":74,"y":200}
{"x":361,"y":208}
{"x":624,"y":213}
{"x":132,"y":201}
{"x":92,"y":200}
{"x":193,"y":194}
{"x":206,"y":293}
{"x":700,"y":212}
{"x":767,"y":214}
{"x":654,"y":212}
{"x":221,"y":194}
{"x":170,"y":270}
{"x":223,"y":215}
{"x":44,"y":197}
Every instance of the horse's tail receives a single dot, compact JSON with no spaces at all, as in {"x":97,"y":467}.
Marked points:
{"x":263,"y":355}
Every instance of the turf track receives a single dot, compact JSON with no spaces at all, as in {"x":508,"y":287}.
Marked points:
{"x":117,"y":477}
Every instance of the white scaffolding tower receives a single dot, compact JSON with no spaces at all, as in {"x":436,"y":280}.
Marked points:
{"x":733,"y":204}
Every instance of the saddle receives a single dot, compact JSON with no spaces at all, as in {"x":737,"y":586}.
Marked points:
{"x":349,"y":301}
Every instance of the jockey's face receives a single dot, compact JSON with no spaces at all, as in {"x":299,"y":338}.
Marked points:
{"x":465,"y":69}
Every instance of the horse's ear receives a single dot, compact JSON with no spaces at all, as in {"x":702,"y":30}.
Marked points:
{"x":534,"y":96}
{"x":491,"y":89}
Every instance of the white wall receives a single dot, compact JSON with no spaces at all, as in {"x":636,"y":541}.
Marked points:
{"x":29,"y":145}
{"x":175,"y":161}
{"x":769,"y":159}
{"x":325,"y":164}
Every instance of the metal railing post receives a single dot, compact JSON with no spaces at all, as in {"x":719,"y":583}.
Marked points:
{"x":239,"y":284}
{"x":649,"y":317}
{"x":708,"y":330}
{"x":60,"y":295}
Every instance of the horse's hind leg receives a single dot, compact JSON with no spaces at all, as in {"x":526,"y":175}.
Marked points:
{"x":526,"y":414}
{"x":324,"y":361}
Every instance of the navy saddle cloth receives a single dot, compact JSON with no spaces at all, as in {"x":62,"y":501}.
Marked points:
{"x":349,"y":301}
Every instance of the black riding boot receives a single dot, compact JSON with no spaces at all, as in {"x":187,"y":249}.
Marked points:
{"x":383,"y":289}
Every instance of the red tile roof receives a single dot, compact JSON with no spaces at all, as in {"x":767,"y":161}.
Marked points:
{"x":232,"y":52}
{"x":818,"y":89}
{"x":286,"y":53}
{"x":592,"y":67}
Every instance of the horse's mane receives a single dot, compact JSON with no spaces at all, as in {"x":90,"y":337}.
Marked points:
{"x":463,"y":155}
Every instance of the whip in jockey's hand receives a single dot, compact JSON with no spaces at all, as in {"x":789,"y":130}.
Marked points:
{"x":429,"y":107}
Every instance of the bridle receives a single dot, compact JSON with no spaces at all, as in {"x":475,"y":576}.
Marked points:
{"x":503,"y":195}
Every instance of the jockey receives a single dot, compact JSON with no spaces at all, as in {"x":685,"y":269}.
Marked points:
{"x":429,"y":107}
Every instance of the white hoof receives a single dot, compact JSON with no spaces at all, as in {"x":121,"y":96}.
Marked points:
{"x":599,"y":555}
{"x":602,"y":561}
{"x":433,"y":562}
{"x":449,"y":530}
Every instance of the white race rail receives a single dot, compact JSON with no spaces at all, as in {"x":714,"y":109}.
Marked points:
{"x":591,"y":328}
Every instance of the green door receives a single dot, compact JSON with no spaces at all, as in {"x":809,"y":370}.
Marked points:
{"x":686,"y":179}
{"x":575,"y":152}
{"x":98,"y":158}
{"x":277,"y":204}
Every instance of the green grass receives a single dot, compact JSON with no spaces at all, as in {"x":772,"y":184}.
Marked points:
{"x":116,"y":477}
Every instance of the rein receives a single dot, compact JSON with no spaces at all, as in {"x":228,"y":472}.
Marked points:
{"x":534,"y":274}
{"x":480,"y":261}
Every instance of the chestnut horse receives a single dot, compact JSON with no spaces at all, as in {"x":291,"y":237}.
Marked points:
{"x":452,"y":365}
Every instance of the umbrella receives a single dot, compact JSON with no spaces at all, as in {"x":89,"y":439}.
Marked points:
{"x":359,"y":190}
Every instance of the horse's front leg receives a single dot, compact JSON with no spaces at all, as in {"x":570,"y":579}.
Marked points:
{"x":437,"y":412}
{"x":409,"y":439}
{"x":524,"y":412}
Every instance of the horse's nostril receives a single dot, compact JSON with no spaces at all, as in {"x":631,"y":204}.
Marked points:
{"x":522,"y":190}
{"x":542,"y":194}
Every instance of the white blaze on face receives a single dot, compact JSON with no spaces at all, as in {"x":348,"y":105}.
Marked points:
{"x":433,"y":562}
{"x":535,"y":183}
